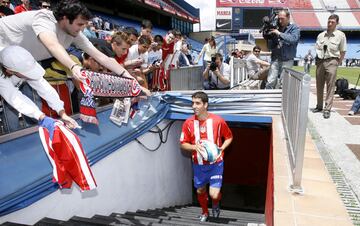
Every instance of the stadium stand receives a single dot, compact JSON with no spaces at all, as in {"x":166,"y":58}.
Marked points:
{"x":306,"y":19}
{"x":353,"y":4}
{"x":316,"y":4}
{"x":300,"y":4}
{"x":336,"y":3}
{"x":122,"y":22}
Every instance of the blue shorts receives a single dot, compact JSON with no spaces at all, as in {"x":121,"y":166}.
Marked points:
{"x":208,"y":174}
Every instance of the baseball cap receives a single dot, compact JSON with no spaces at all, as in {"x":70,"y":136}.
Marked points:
{"x":18,"y":59}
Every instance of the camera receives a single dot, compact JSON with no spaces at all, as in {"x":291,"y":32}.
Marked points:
{"x":213,"y":64}
{"x":269,"y":23}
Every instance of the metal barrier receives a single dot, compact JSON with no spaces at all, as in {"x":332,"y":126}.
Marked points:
{"x":295,"y":101}
{"x":238,"y":71}
{"x":186,"y":78}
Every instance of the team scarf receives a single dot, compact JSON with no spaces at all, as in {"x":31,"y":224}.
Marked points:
{"x":103,"y":85}
{"x":67,"y":158}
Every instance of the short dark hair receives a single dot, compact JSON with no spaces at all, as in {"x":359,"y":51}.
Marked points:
{"x":201,"y":95}
{"x":219,"y":55}
{"x":334,"y":16}
{"x":257,"y":47}
{"x":71,"y":9}
{"x":286,"y":11}
{"x":146,"y":24}
{"x":144,"y":39}
{"x":158,"y":38}
{"x":131,"y":31}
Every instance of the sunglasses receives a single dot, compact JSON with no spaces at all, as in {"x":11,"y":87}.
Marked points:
{"x":45,"y":6}
{"x":257,"y":51}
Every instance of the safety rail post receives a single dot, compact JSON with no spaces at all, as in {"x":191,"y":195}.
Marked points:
{"x":295,"y":101}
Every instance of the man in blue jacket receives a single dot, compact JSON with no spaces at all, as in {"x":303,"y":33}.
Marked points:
{"x":283,"y":43}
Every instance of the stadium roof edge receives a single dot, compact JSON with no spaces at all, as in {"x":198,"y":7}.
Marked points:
{"x":187,"y":7}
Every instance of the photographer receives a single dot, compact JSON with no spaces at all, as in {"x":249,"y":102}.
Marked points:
{"x":217,"y":74}
{"x":282,"y":42}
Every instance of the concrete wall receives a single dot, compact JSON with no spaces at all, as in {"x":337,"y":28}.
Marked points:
{"x":128,"y":179}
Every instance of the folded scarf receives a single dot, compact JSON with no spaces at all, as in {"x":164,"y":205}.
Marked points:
{"x":103,"y":85}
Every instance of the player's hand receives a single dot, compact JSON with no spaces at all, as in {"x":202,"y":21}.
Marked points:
{"x":146,"y":91}
{"x":69,"y":122}
{"x":137,"y":61}
{"x":76,"y":72}
{"x":199,"y":148}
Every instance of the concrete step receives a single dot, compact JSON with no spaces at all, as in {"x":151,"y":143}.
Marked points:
{"x":115,"y":221}
{"x":87,"y":221}
{"x":49,"y":221}
{"x":12,"y":224}
{"x":139,"y":219}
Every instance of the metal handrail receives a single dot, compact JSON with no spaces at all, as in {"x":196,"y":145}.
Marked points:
{"x":295,"y":101}
{"x":238,"y":71}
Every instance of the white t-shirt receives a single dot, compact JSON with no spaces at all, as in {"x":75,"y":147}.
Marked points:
{"x":225,"y":71}
{"x":251,"y":64}
{"x":208,"y":52}
{"x":177,"y":46}
{"x":154,"y":55}
{"x":134,"y":53}
{"x":23,"y":29}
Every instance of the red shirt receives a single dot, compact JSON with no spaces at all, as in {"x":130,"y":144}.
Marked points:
{"x":21,"y":8}
{"x":214,"y":128}
{"x":121,"y":59}
{"x":167,"y":49}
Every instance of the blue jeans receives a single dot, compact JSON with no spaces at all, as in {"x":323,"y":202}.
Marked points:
{"x":275,"y":72}
{"x":356,"y":105}
{"x":11,"y":116}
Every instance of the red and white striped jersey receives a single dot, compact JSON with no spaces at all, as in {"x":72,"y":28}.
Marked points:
{"x":214,"y":129}
{"x":67,"y":158}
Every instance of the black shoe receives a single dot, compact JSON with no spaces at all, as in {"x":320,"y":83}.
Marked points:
{"x":316,"y":110}
{"x":326,"y":114}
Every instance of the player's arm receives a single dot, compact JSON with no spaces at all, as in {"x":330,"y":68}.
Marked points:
{"x":226,"y":134}
{"x":51,"y":42}
{"x":226,"y":144}
{"x":191,"y":147}
{"x":262,"y":63}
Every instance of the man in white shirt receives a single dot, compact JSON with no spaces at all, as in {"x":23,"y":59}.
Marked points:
{"x":18,"y":66}
{"x":47,"y":34}
{"x":217,"y":74}
{"x":257,"y":69}
{"x":137,"y":60}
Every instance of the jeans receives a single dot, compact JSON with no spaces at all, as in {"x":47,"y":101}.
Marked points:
{"x":11,"y":116}
{"x":275,"y":72}
{"x":356,"y":105}
{"x":307,"y":67}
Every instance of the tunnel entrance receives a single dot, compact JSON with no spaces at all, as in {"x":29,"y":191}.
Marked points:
{"x":246,"y":168}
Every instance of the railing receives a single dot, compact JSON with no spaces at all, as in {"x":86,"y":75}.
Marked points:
{"x":186,"y":78}
{"x":295,"y":101}
{"x":238,"y":71}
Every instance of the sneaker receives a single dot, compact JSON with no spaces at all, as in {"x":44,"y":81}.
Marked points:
{"x":351,"y":113}
{"x":216,"y":211}
{"x":203,"y":217}
{"x":326,"y":114}
{"x":316,"y":110}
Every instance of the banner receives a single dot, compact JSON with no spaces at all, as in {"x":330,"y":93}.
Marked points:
{"x":223,"y":19}
{"x":236,"y":18}
{"x":252,"y":3}
{"x":223,"y":24}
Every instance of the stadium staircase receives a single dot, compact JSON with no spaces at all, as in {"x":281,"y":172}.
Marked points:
{"x":178,"y":215}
